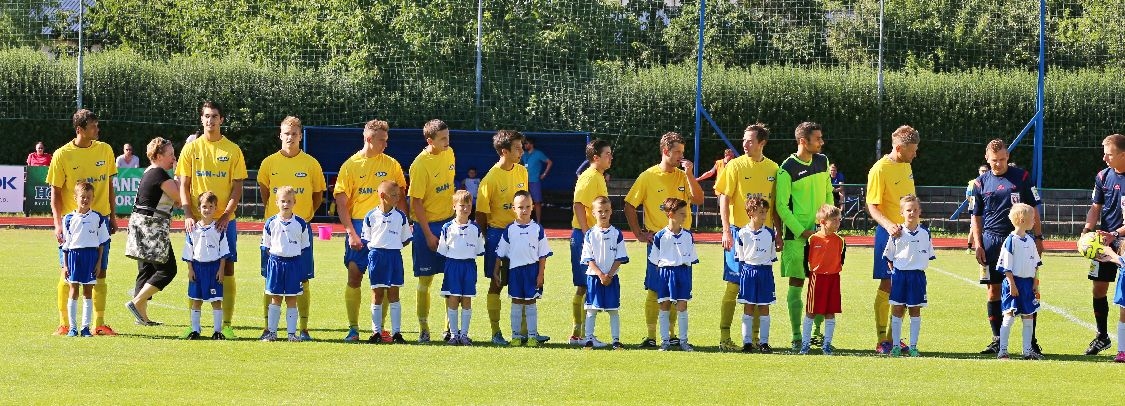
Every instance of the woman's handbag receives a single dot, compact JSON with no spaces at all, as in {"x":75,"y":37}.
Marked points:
{"x":148,"y":235}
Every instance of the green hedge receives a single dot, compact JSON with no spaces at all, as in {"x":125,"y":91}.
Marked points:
{"x":956,"y":113}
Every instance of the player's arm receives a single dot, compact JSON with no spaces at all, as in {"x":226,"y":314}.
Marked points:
{"x":635,"y":226}
{"x":218,"y":275}
{"x":696,"y":190}
{"x":264,"y":192}
{"x":417,"y":206}
{"x":56,"y":212}
{"x":1037,"y":229}
{"x":1092,"y":218}
{"x":975,"y":230}
{"x":579,"y":210}
{"x":112,"y":207}
{"x":875,"y":191}
{"x":231,"y":206}
{"x":783,"y":192}
{"x":708,"y":174}
{"x":724,"y":217}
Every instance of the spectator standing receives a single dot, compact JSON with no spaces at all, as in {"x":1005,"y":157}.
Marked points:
{"x":39,"y":158}
{"x":538,"y":166}
{"x":127,"y":159}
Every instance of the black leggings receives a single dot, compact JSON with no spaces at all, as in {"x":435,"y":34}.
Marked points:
{"x":159,"y":275}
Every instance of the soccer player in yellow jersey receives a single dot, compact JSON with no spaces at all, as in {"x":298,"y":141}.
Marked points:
{"x":889,"y":180}
{"x":494,"y":214}
{"x":590,"y":185}
{"x":83,"y":159}
{"x":357,"y":192}
{"x":212,"y":163}
{"x":750,"y":175}
{"x":294,"y":168}
{"x":650,"y":190}
{"x":431,"y":189}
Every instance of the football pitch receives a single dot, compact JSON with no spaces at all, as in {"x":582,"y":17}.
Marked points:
{"x":148,"y":365}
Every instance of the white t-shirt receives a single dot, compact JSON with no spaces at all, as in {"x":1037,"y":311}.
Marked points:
{"x":1019,"y":256}
{"x":89,"y":230}
{"x":205,"y":244}
{"x":755,"y":247}
{"x":523,"y":244}
{"x":604,"y":246}
{"x":460,"y":241}
{"x":123,"y":162}
{"x":911,"y":251}
{"x":472,"y":185}
{"x":671,"y":249}
{"x":285,"y":238}
{"x":389,"y":230}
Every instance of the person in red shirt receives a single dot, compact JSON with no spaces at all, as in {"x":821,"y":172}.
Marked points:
{"x":39,"y":158}
{"x":824,"y":259}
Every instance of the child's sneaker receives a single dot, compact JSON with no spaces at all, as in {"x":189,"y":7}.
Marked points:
{"x":294,"y":338}
{"x":896,"y":352}
{"x":424,"y":337}
{"x":517,"y":340}
{"x":649,"y":343}
{"x":914,"y":352}
{"x":218,"y":336}
{"x":1002,"y":355}
{"x":828,"y":349}
{"x":269,"y":337}
{"x":576,"y":340}
{"x":589,"y":345}
{"x":375,"y":338}
{"x":194,"y":335}
{"x":86,"y":332}
{"x":397,"y":338}
{"x":764,"y":348}
{"x":105,"y":330}
{"x":1120,"y":357}
{"x":62,"y":330}
{"x":498,"y":339}
{"x":617,"y":346}
{"x":728,"y":345}
{"x":674,"y":340}
{"x":305,"y":336}
{"x":746,"y":348}
{"x":353,"y":335}
{"x":804,"y":349}
{"x":664,"y":346}
{"x":883,"y":347}
{"x":1032,"y":355}
{"x":385,"y":337}
{"x":465,"y":340}
{"x":72,"y":332}
{"x":598,"y":343}
{"x":453,"y":341}
{"x":446,"y":336}
{"x":684,"y":346}
{"x":541,"y":339}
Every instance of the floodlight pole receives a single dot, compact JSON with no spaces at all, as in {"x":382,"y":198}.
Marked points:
{"x":78,"y":82}
{"x":879,"y":90}
{"x":480,"y":19}
{"x":699,"y":84}
{"x":1040,"y":98}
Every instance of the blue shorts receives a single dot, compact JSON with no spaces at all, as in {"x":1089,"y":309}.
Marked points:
{"x":232,"y":241}
{"x":908,"y":288}
{"x":384,"y":268}
{"x":992,"y":245}
{"x":460,"y":278}
{"x":307,"y":258}
{"x":206,"y":286}
{"x":577,"y":269}
{"x":491,"y":240}
{"x":756,"y":285}
{"x":522,"y":281}
{"x":105,"y":256}
{"x":358,"y":257}
{"x":284,"y":276}
{"x":879,"y":268}
{"x":1026,"y":303}
{"x":426,"y":262}
{"x":535,"y":188}
{"x":731,"y":267}
{"x":602,"y":297}
{"x":652,"y":273}
{"x":673,"y":283}
{"x":1119,"y":292}
{"x":81,"y":263}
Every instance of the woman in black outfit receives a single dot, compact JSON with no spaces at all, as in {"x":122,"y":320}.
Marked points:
{"x":156,"y":196}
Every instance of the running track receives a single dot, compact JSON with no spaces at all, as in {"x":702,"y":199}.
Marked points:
{"x":337,"y":229}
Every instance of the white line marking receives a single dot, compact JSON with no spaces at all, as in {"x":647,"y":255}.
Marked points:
{"x":1057,"y":310}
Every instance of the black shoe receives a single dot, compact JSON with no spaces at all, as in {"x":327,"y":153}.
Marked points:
{"x":992,"y":348}
{"x":1099,"y":344}
{"x":445,"y":336}
{"x":194,"y":335}
{"x":589,"y":345}
{"x":1035,"y":347}
{"x":764,"y":348}
{"x":748,"y":348}
{"x":218,"y":336}
{"x":375,"y":339}
{"x":649,"y":343}
{"x":397,"y":339}
{"x":674,"y":341}
{"x":617,"y":346}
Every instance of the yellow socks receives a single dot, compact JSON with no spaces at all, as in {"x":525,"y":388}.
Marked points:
{"x":265,"y":310}
{"x":726,"y":311}
{"x":424,"y":283}
{"x":229,"y":291}
{"x":494,"y":312}
{"x":303,"y":307}
{"x":882,"y":315}
{"x":578,"y":315}
{"x":351,"y":305}
{"x":652,"y":311}
{"x":63,"y":295}
{"x":100,"y":291}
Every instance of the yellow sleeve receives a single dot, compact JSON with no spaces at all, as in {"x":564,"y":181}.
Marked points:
{"x":722,"y":184}
{"x":318,"y":182}
{"x":418,"y":181}
{"x":400,"y":179}
{"x":875,"y":189}
{"x":110,"y":160}
{"x":56,"y":175}
{"x":636,"y":195}
{"x":183,"y":166}
{"x":264,"y":172}
{"x":484,"y":195}
{"x":238,"y":168}
{"x":343,"y":181}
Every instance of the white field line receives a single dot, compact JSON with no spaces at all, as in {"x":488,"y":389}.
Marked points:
{"x":1057,"y":310}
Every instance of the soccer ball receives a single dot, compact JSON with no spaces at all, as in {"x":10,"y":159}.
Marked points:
{"x":1091,"y":245}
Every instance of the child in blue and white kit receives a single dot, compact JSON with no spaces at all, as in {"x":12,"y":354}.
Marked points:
{"x":907,"y":257}
{"x":755,"y":251}
{"x":1019,"y":262}
{"x":673,"y":253}
{"x":524,"y":245}
{"x":386,"y":231}
{"x":85,"y":233}
{"x":603,"y":251}
{"x":205,"y":251}
{"x":460,"y":243}
{"x":284,"y":236}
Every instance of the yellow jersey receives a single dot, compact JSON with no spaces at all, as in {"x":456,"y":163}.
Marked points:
{"x":302,"y":172}
{"x":650,"y":190}
{"x":743,"y":178}
{"x":887,"y":182}
{"x":94,"y":164}
{"x":431,"y":179}
{"x":590,"y":185}
{"x":494,"y":197}
{"x":212,"y":166}
{"x":359,"y":180}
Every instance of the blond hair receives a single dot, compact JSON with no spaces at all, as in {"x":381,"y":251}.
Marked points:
{"x":905,"y":135}
{"x":286,"y":191}
{"x":155,"y":147}
{"x":601,"y":200}
{"x":81,"y":186}
{"x":995,"y":146}
{"x":826,"y":212}
{"x":462,"y":196}
{"x":376,"y":125}
{"x":1020,"y":212}
{"x":292,"y":122}
{"x":909,"y":199}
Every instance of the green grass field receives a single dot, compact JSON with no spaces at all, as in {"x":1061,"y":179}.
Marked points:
{"x":147,"y":365}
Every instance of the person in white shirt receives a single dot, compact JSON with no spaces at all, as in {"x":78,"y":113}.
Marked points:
{"x":1019,"y":293}
{"x":524,"y":246}
{"x":128,"y":159}
{"x":755,"y":249}
{"x":460,"y":242}
{"x":85,"y":232}
{"x":673,"y":253}
{"x":284,"y":236}
{"x":908,"y":255}
{"x":603,"y":251}
{"x":385,"y":232}
{"x":206,"y":251}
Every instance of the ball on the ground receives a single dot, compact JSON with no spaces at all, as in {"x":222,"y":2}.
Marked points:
{"x":1091,"y":245}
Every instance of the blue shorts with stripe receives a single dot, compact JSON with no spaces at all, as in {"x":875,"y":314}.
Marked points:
{"x":491,"y":240}
{"x":602,"y":297}
{"x":306,"y":258}
{"x":1025,"y":303}
{"x":358,"y":257}
{"x":577,"y":269}
{"x":105,"y":255}
{"x":206,"y":286}
{"x":652,"y":272}
{"x":81,"y":262}
{"x":460,"y":278}
{"x":426,"y":261}
{"x":732,"y":269}
{"x":908,"y":288}
{"x":284,"y":276}
{"x":522,"y":282}
{"x":673,"y":283}
{"x":384,"y":268}
{"x":756,"y":285}
{"x":1119,"y":292}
